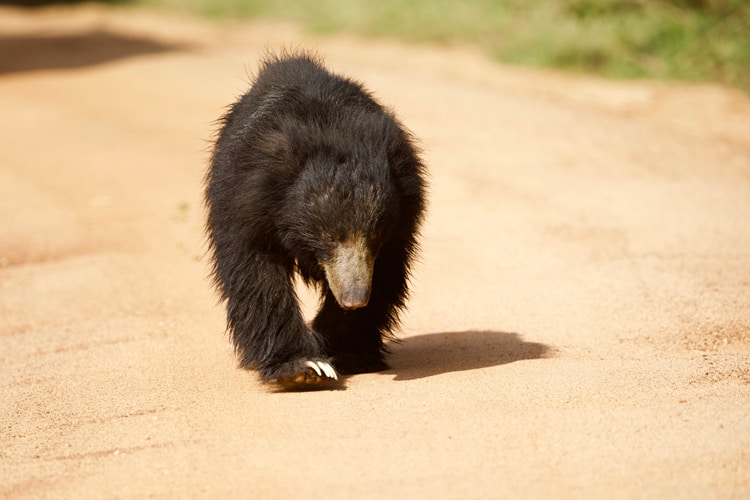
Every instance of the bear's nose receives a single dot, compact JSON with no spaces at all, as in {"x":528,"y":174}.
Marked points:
{"x":355,"y":297}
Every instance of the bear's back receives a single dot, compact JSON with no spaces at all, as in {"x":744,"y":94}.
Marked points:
{"x":308,"y":78}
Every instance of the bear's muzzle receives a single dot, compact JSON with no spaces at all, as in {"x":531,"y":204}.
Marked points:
{"x":349,"y":273}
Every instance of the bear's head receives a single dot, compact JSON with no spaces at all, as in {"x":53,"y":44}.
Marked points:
{"x":338,"y":214}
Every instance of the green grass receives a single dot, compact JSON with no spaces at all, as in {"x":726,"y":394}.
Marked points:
{"x":694,"y":40}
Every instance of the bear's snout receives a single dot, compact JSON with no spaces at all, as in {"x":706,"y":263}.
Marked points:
{"x":355,"y":297}
{"x":349,"y":273}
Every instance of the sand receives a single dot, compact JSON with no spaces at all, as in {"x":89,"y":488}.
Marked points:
{"x":580,"y":317}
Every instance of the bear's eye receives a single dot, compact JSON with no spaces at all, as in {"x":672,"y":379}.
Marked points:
{"x":328,"y":238}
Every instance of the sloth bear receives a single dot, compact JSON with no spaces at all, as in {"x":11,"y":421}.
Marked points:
{"x":310,"y":174}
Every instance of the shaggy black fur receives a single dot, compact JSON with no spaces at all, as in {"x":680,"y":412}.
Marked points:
{"x":306,"y":163}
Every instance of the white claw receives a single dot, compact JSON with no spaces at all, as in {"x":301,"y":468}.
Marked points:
{"x":329,"y":371}
{"x":323,"y":369}
{"x":314,"y":366}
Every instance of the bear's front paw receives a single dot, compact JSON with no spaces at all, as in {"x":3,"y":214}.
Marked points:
{"x":306,"y":374}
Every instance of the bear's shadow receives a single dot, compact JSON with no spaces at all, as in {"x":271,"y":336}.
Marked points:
{"x":433,"y":354}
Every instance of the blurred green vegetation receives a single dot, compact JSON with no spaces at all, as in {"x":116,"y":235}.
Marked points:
{"x":695,"y":40}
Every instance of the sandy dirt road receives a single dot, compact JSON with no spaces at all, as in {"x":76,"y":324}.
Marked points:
{"x":580,"y":321}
